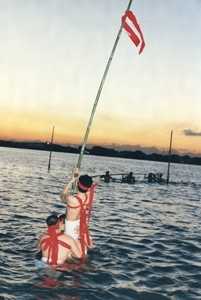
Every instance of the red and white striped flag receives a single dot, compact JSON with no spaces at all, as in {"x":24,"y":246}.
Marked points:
{"x":132,"y":27}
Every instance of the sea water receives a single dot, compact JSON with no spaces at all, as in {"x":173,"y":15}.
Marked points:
{"x":147,"y":235}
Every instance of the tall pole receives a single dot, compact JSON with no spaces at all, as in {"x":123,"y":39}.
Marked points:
{"x":99,"y":92}
{"x":168,"y":172}
{"x":51,"y":149}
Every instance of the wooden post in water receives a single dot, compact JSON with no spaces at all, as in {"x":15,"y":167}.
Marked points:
{"x":51,"y":149}
{"x":168,"y":172}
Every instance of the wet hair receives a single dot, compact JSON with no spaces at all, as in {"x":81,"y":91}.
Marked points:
{"x":52,"y":220}
{"x":85,"y":181}
{"x":63,"y":216}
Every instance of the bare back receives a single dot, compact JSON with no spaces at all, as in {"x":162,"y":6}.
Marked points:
{"x":63,"y":252}
{"x":74,"y":207}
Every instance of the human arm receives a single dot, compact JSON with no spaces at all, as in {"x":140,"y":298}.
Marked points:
{"x":38,"y":246}
{"x":113,"y":179}
{"x":91,"y":244}
{"x":75,"y":251}
{"x":65,"y":192}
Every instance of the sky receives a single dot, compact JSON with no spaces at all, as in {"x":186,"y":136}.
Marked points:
{"x":53,"y":55}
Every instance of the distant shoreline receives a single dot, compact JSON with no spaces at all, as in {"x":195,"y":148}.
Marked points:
{"x":102,"y":151}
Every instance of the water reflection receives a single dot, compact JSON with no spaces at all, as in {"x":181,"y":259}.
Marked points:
{"x":147,"y":236}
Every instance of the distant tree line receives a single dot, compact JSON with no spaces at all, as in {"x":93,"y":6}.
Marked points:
{"x":101,"y":151}
{"x":186,"y":159}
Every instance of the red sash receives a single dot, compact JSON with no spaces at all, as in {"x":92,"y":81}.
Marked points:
{"x":52,"y":244}
{"x":84,"y":219}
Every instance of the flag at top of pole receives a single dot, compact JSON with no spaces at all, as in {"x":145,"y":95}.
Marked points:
{"x":132,"y":27}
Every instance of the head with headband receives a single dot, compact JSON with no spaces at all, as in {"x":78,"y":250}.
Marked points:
{"x":53,"y":222}
{"x":84,"y":183}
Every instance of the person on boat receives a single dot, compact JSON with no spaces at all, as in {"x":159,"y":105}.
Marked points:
{"x":56,"y":246}
{"x":107,"y":177}
{"x":79,"y":208}
{"x":129,"y":178}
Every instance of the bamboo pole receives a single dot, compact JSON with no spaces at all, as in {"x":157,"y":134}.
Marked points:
{"x":51,"y":149}
{"x":99,"y":92}
{"x":110,"y":174}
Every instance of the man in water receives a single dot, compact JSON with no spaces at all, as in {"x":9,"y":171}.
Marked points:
{"x":151,"y":177}
{"x":56,"y":246}
{"x":129,"y":178}
{"x":159,"y":178}
{"x":77,"y":205}
{"x":107,"y":177}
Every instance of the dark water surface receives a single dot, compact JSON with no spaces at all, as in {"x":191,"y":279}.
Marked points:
{"x":147,"y":236}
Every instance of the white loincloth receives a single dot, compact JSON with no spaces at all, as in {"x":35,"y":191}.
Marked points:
{"x":71,"y":228}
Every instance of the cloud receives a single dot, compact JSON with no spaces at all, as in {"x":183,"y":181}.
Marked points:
{"x":189,"y":132}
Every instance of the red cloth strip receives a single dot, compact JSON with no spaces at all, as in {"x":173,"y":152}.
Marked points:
{"x":84,"y":188}
{"x":135,"y":39}
{"x":91,"y":200}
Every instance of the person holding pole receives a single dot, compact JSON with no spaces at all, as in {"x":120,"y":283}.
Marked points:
{"x":107,"y":177}
{"x":79,"y":208}
{"x":130,"y":178}
{"x":76,"y":205}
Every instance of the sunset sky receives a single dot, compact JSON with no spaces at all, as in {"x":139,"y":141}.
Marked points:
{"x":53,"y":54}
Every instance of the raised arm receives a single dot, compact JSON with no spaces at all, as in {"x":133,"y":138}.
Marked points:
{"x":75,"y":251}
{"x":65,"y":192}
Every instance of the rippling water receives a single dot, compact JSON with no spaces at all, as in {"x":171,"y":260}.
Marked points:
{"x":147,"y":236}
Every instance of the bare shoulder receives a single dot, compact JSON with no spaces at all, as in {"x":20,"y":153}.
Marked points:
{"x":44,"y":235}
{"x":38,"y":244}
{"x":72,"y":200}
{"x":67,"y":238}
{"x":65,"y":197}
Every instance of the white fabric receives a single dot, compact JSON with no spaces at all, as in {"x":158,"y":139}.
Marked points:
{"x":44,"y":259}
{"x":71,"y":227}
